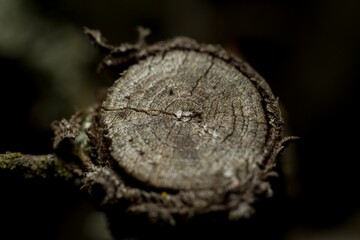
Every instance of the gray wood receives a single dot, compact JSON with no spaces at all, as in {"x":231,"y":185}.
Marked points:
{"x":185,"y":120}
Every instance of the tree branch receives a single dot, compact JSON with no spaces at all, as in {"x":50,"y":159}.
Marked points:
{"x":39,"y":166}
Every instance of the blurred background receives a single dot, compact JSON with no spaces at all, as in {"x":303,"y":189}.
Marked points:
{"x":307,"y":50}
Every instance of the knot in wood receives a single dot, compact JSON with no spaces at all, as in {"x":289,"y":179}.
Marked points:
{"x":189,"y":117}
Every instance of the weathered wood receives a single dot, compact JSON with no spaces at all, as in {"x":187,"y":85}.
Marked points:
{"x":186,"y":120}
{"x":187,"y":130}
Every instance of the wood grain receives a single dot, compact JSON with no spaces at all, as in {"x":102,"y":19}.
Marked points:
{"x":185,"y":120}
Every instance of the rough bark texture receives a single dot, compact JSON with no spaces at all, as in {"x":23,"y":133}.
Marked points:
{"x":187,"y":130}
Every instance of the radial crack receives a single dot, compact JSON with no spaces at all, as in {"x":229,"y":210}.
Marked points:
{"x":233,"y":123}
{"x":202,"y":76}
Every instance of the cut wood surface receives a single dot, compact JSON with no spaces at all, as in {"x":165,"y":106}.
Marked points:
{"x":186,"y":130}
{"x":186,"y":120}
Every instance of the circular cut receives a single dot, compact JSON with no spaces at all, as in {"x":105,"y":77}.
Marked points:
{"x":185,"y":120}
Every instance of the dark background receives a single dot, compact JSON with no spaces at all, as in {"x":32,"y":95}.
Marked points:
{"x":307,"y":50}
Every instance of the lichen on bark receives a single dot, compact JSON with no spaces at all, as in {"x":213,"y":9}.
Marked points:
{"x":39,"y":166}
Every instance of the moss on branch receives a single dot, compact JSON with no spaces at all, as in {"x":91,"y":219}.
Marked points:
{"x":35,"y":166}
